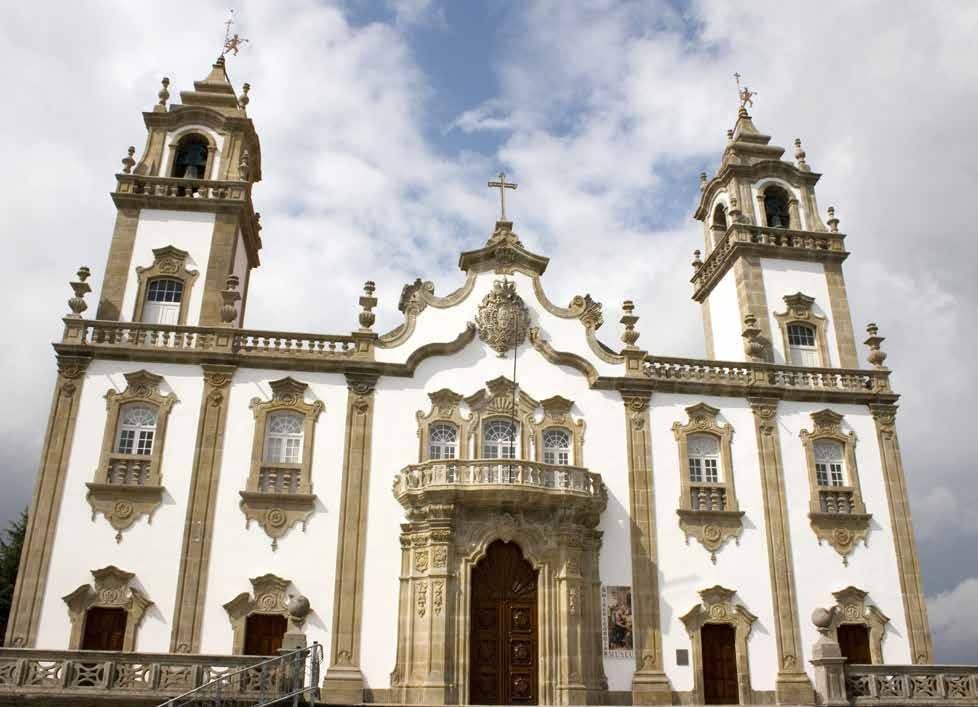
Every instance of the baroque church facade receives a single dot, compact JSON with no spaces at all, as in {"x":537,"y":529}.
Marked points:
{"x":610,"y":527}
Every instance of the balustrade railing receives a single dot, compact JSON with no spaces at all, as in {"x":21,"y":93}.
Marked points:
{"x":707,"y":497}
{"x":273,"y":479}
{"x":836,"y":500}
{"x":128,"y":471}
{"x":498,"y":472}
{"x":907,"y":685}
{"x":178,"y":188}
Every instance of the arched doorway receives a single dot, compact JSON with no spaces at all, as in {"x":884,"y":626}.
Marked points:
{"x":504,"y":636}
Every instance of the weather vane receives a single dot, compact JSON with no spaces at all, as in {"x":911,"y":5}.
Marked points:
{"x":502,"y":185}
{"x":232,"y":42}
{"x":745,"y":93}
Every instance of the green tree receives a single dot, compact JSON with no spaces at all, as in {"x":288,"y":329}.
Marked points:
{"x":10,"y":548}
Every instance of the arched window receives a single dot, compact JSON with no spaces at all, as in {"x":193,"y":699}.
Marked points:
{"x":829,"y":463}
{"x":703,"y":451}
{"x":283,"y":440}
{"x":499,"y":439}
{"x":190,"y":161}
{"x":137,"y":428}
{"x":776,"y":207}
{"x":556,"y":447}
{"x":720,"y":217}
{"x":802,"y":349}
{"x":442,"y":441}
{"x":163,"y":298}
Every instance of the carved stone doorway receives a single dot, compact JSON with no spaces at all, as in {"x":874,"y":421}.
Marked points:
{"x":504,"y":636}
{"x":105,"y":629}
{"x":719,"y":664}
{"x":264,"y":634}
{"x":854,"y":643}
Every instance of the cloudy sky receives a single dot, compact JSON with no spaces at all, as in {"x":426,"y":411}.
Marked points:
{"x":381,"y":121}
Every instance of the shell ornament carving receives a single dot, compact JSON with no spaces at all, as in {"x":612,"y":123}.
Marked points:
{"x":503,"y":319}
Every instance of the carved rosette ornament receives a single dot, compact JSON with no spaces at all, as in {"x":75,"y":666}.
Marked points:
{"x":503,"y":319}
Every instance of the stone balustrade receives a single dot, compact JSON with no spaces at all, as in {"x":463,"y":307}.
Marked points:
{"x":907,"y":685}
{"x":771,"y":242}
{"x":708,"y":497}
{"x":177,"y":188}
{"x":137,"y":678}
{"x":836,"y":500}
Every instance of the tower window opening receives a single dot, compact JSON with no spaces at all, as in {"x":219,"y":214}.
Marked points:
{"x":801,"y":346}
{"x":190,"y":161}
{"x":776,"y":207}
{"x":720,"y":217}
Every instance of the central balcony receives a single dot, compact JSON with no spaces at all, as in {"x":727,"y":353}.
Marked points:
{"x":501,"y":483}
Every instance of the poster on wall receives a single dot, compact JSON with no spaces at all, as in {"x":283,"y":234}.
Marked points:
{"x":616,"y":626}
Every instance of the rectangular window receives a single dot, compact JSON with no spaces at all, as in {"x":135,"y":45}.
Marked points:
{"x":145,"y":444}
{"x":695,"y":471}
{"x":710,"y":471}
{"x":292,"y":448}
{"x":126,"y":440}
{"x":836,"y":473}
{"x":556,"y":456}
{"x":822,"y":474}
{"x":274,"y":453}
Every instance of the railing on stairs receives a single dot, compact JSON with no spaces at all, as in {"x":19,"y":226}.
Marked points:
{"x":276,"y":681}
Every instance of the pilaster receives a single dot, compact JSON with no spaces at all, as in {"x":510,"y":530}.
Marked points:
{"x":198,"y":531}
{"x":908,"y":564}
{"x":119,"y":265}
{"x":344,"y":680}
{"x":841,"y":318}
{"x":792,"y":685}
{"x":751,"y":297}
{"x":32,"y":575}
{"x":220,"y":263}
{"x":650,"y":686}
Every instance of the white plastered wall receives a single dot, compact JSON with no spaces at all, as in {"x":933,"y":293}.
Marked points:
{"x":728,"y":343}
{"x":786,"y":277}
{"x":685,"y":568}
{"x":395,"y":444}
{"x":150,"y":550}
{"x":187,"y":230}
{"x":308,"y":558}
{"x":819,"y":570}
{"x":173,"y":137}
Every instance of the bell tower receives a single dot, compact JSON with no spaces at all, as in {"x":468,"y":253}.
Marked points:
{"x":186,"y":229}
{"x":770,"y":283}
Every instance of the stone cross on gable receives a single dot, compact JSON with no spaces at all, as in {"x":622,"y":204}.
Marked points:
{"x":502,"y":185}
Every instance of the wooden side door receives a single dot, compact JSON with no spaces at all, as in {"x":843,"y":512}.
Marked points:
{"x":521,"y":651}
{"x":719,"y":664}
{"x":854,"y":643}
{"x":264,"y":634}
{"x":105,"y":629}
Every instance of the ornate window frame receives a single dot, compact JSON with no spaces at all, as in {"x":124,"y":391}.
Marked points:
{"x":557,"y":415}
{"x":269,"y":595}
{"x":123,"y":504}
{"x":113,"y":590}
{"x":712,"y":528}
{"x":841,"y":530}
{"x":718,"y":607}
{"x":498,"y":404}
{"x":851,"y":607}
{"x":444,"y":410}
{"x":798,"y":310}
{"x":276,"y":513}
{"x":169,"y":263}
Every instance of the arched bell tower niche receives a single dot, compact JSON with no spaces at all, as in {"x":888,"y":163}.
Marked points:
{"x":454,"y":514}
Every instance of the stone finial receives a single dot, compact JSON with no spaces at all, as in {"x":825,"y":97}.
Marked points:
{"x":697,"y":263}
{"x":800,"y":156}
{"x":230,"y":295}
{"x":702,"y":181}
{"x":630,"y":335}
{"x":875,"y":356}
{"x":833,"y":221}
{"x":822,"y":618}
{"x":80,"y":288}
{"x":298,"y":608}
{"x":164,"y":94}
{"x":753,"y":345}
{"x":243,"y":99}
{"x":244,"y":165}
{"x":730,"y":134}
{"x":128,"y":162}
{"x":368,"y":302}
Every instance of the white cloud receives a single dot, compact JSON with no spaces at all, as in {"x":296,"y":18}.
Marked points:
{"x":490,"y":115}
{"x":954,"y":620}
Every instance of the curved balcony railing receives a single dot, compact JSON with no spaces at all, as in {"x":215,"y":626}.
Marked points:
{"x":553,"y":479}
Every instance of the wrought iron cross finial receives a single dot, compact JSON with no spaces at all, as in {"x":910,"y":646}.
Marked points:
{"x":502,"y":185}
{"x":232,"y":42}
{"x":744,"y":92}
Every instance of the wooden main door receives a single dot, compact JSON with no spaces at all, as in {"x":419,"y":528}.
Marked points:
{"x":264,"y":634}
{"x":719,"y":664}
{"x":503,"y":641}
{"x":105,"y":629}
{"x":854,"y":643}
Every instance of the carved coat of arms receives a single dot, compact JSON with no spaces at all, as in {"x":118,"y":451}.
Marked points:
{"x":503,"y":319}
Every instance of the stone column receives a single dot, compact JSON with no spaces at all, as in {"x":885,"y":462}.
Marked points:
{"x":344,"y":680}
{"x":198,"y":529}
{"x":792,"y":685}
{"x":119,"y":265}
{"x":35,"y":560}
{"x":220,"y":263}
{"x":571,"y":688}
{"x":752,"y":298}
{"x":908,"y":565}
{"x":649,"y":684}
{"x":841,"y":318}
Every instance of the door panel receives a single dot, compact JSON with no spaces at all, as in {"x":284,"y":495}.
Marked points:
{"x":264,"y":634}
{"x":105,"y":629}
{"x":503,"y":647}
{"x":719,"y":664}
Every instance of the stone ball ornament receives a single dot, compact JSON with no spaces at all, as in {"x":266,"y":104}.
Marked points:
{"x":822,"y":618}
{"x":298,"y":606}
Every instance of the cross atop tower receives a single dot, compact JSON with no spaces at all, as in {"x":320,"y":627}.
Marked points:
{"x":502,"y":185}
